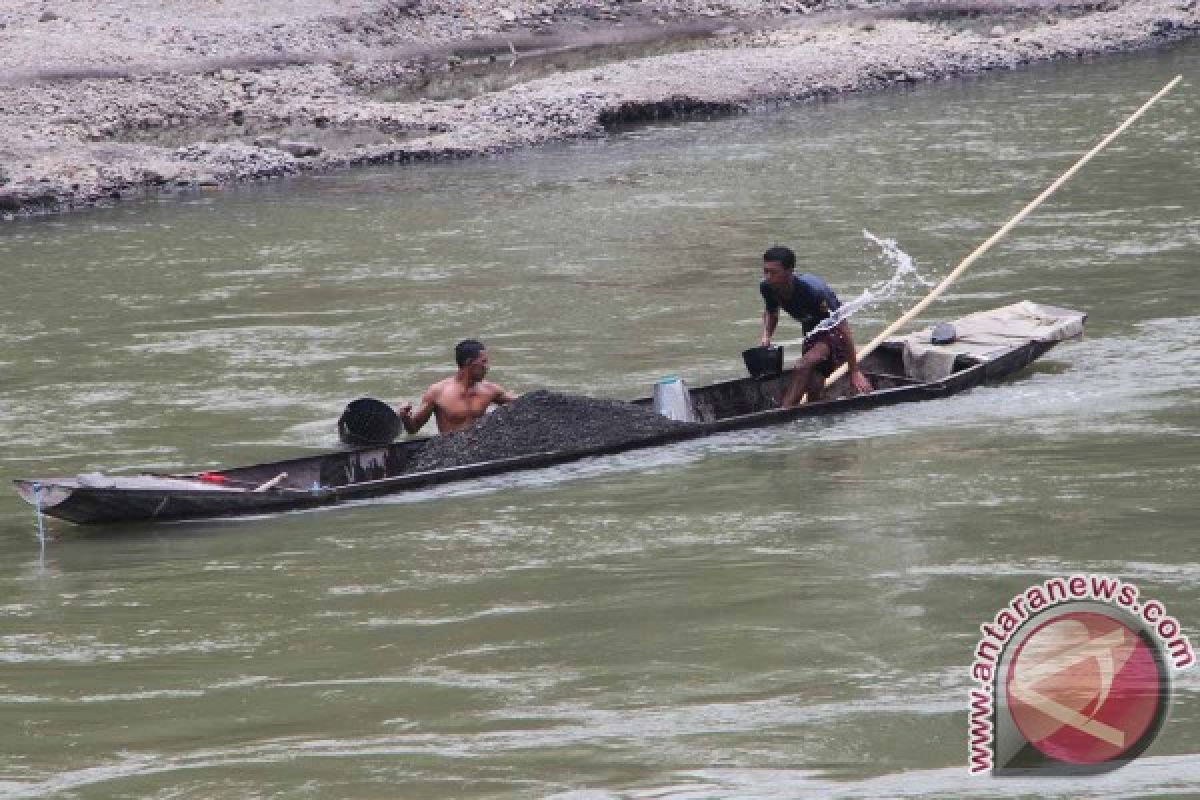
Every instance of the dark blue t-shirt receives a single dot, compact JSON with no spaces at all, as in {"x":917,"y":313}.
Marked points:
{"x":805,"y":305}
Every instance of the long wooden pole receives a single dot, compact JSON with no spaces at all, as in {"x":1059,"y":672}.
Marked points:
{"x":1008,"y":226}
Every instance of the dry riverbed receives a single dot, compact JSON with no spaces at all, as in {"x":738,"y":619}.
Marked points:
{"x":102,"y":100}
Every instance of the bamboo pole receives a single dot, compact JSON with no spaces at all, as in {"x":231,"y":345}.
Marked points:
{"x":1008,"y":226}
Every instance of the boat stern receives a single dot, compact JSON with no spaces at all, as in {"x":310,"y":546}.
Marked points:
{"x":43,"y":494}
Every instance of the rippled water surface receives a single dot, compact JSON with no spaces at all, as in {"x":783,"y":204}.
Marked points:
{"x":779,"y":613}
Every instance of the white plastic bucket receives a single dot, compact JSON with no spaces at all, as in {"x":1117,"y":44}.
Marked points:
{"x":673,"y":401}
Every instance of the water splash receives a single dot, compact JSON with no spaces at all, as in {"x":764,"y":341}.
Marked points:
{"x":905,"y":268}
{"x":904,"y":274}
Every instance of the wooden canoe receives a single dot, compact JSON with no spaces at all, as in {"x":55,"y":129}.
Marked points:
{"x":1001,"y":350}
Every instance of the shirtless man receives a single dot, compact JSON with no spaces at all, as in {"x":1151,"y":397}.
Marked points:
{"x":462,"y":398}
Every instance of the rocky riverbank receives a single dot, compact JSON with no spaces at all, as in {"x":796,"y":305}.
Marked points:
{"x":103,"y":100}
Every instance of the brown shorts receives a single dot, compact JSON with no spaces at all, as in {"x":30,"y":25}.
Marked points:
{"x":838,"y":350}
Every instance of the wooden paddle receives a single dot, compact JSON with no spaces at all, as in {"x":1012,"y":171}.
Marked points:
{"x":995,"y":237}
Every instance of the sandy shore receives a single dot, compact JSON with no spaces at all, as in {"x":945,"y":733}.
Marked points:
{"x":102,"y":100}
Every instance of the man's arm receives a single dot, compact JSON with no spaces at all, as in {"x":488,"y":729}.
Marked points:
{"x":415,"y":420}
{"x":503,"y":396}
{"x":858,"y":381}
{"x":770,"y":321}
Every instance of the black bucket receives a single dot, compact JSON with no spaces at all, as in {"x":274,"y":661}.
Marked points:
{"x":368,"y":421}
{"x":764,"y":362}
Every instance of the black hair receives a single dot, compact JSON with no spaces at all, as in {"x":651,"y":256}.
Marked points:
{"x":466,"y":350}
{"x":781,"y":255}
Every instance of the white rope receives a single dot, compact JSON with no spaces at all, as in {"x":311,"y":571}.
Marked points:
{"x":37,"y":506}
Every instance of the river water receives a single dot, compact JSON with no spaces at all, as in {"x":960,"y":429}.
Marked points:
{"x":782,"y":613}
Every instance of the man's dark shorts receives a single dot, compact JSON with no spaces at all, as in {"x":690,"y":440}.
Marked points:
{"x":838,"y":350}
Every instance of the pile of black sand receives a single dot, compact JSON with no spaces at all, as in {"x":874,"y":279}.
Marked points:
{"x":544,"y":421}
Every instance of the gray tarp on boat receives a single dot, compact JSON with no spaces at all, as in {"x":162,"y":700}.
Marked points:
{"x":986,"y":333}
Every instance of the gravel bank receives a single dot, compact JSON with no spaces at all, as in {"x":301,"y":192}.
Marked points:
{"x":101,"y":100}
{"x":543,"y":421}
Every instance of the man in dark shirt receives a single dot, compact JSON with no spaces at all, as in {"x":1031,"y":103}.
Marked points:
{"x":809,"y":300}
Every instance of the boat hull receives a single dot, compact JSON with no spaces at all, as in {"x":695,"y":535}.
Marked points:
{"x":88,"y":505}
{"x":382,"y":470}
